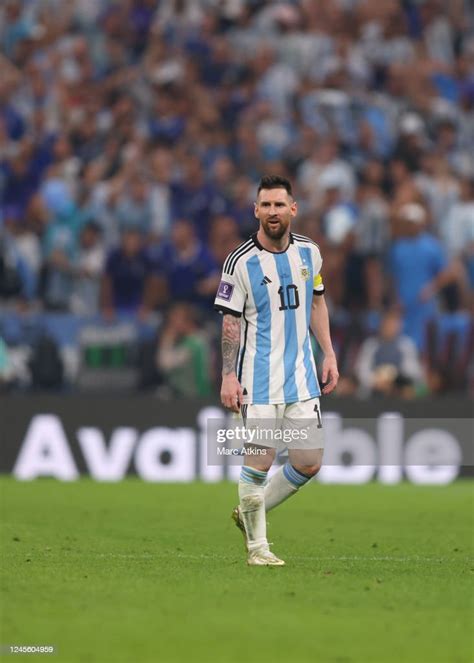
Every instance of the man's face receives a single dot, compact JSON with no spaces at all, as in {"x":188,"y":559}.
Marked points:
{"x":274,"y":209}
{"x":131,"y":242}
{"x":390,"y":327}
{"x":182,"y":235}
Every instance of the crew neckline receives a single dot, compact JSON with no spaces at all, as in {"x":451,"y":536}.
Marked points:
{"x":262,"y":248}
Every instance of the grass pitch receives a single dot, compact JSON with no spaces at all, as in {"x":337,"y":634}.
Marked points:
{"x":151,"y":572}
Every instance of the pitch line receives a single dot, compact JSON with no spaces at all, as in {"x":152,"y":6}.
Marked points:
{"x":310,"y":558}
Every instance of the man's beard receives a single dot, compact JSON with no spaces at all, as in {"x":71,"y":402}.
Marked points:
{"x":274,"y":232}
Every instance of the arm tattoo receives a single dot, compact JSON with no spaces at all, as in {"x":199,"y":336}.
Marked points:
{"x":230,"y":343}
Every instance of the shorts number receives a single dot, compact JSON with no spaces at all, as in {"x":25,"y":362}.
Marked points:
{"x":318,"y":415}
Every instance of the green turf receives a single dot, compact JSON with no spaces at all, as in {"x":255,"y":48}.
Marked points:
{"x":151,"y":572}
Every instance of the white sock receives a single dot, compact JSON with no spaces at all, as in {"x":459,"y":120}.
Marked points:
{"x":277,"y":490}
{"x":252,"y":506}
{"x":283,"y":484}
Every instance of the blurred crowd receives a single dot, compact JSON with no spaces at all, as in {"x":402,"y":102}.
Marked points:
{"x":133,"y":134}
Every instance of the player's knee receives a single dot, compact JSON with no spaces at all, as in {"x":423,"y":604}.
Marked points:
{"x":309,"y":470}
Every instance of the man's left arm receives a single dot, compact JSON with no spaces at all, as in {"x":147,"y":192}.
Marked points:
{"x":319,"y":325}
{"x":444,"y":272}
{"x":445,"y":277}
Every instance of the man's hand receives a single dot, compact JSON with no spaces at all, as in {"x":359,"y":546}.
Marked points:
{"x":330,"y":374}
{"x":231,"y":392}
{"x":427,"y":292}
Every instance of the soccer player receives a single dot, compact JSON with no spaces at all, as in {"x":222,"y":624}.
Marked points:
{"x":271,"y":294}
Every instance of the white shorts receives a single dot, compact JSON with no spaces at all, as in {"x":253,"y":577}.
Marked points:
{"x":293,"y":426}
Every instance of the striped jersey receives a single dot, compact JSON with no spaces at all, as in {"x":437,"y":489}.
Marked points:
{"x":273,"y":293}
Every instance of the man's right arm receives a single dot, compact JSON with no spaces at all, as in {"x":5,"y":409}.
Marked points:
{"x":231,"y":391}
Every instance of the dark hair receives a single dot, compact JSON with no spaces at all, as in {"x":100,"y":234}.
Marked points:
{"x":274,"y":182}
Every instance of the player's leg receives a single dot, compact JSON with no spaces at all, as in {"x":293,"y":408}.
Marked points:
{"x":260,"y":423}
{"x":253,"y":476}
{"x":305,"y":452}
{"x":302,"y":465}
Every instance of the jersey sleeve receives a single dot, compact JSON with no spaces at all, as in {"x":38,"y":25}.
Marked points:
{"x":318,"y":285}
{"x":231,"y":294}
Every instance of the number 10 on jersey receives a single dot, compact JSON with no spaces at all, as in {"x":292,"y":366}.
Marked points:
{"x":289,"y":298}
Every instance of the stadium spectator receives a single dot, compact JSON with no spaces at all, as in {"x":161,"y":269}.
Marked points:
{"x":419,"y":270}
{"x":194,"y":199}
{"x":60,"y":244}
{"x":161,"y":169}
{"x":388,"y":364}
{"x":457,"y":232}
{"x":338,"y":223}
{"x":183,"y":354}
{"x":134,"y":205}
{"x":439,"y":188}
{"x":325,"y":169}
{"x":23,"y":255}
{"x":223,"y":238}
{"x":372,"y":234}
{"x":17,"y":280}
{"x":129,"y":286}
{"x":187,"y":265}
{"x":88,"y":269}
{"x":242,"y":207}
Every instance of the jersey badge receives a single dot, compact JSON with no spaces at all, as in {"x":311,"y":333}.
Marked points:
{"x":225,"y":290}
{"x":305,"y":272}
